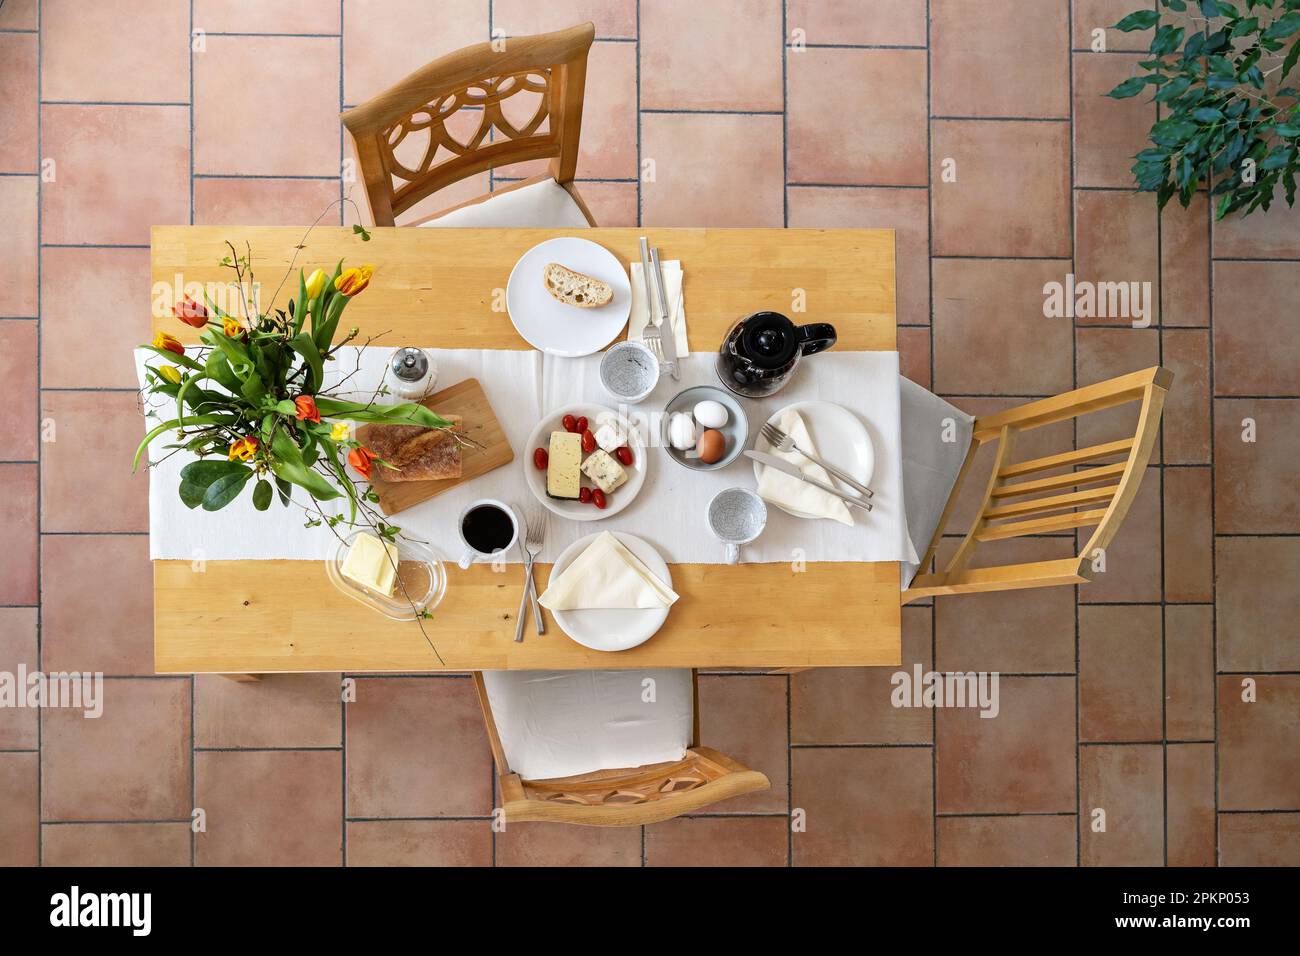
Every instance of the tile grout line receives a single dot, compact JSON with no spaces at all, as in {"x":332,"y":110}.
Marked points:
{"x":40,"y":450}
{"x":929,"y":231}
{"x":1074,"y":427}
{"x":640,"y":174}
{"x":1214,"y":537}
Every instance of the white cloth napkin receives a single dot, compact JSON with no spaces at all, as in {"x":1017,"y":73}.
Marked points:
{"x":640,"y":314}
{"x":606,"y":575}
{"x":791,"y":493}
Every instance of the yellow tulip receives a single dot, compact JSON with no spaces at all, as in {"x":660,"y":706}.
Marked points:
{"x":170,"y":373}
{"x":339,"y":431}
{"x":315,"y":282}
{"x":352,"y":281}
{"x":231,"y":327}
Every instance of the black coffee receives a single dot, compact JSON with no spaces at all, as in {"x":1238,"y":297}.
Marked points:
{"x":487,"y":528}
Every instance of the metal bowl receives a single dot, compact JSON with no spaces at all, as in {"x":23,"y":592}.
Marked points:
{"x":736,"y":431}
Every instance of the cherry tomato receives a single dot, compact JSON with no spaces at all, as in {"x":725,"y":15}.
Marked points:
{"x":540,"y":459}
{"x":588,"y":440}
{"x":580,"y":425}
{"x":570,"y":423}
{"x":598,"y":499}
{"x":624,"y":455}
{"x":584,"y":495}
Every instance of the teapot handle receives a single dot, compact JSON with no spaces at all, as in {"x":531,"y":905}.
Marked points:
{"x":817,"y":337}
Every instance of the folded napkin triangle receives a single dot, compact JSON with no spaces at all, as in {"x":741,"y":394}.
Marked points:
{"x":791,"y":493}
{"x":606,"y":575}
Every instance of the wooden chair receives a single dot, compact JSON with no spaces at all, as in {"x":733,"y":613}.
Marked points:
{"x":619,"y":797}
{"x":1088,"y":487}
{"x":480,"y":79}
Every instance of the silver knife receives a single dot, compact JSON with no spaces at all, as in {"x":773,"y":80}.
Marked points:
{"x":667,"y":337}
{"x":780,"y":464}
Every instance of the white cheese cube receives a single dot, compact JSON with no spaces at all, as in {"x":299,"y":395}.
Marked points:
{"x":604,"y":471}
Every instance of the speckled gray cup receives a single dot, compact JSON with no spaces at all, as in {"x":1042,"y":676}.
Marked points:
{"x":737,"y":516}
{"x":629,"y":371}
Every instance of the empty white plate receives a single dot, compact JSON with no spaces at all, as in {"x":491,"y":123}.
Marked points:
{"x":566,"y":330}
{"x":613,"y":628}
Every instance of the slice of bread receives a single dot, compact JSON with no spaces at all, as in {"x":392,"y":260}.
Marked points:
{"x":574,"y":288}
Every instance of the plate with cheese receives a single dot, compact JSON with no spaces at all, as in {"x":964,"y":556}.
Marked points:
{"x":585,"y":462}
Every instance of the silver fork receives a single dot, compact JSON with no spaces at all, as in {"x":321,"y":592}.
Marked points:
{"x":783,"y":442}
{"x":530,"y":545}
{"x":651,"y":335}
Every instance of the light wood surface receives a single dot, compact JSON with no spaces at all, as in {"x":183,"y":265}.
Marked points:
{"x":1103,"y":508}
{"x":435,"y":288}
{"x":479,"y":423}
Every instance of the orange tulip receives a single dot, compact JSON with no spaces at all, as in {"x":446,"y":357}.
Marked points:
{"x":352,"y":281}
{"x":360,"y":459}
{"x":307,"y":411}
{"x":231,"y":327}
{"x":191,"y":313}
{"x":162,"y":340}
{"x":243,"y":449}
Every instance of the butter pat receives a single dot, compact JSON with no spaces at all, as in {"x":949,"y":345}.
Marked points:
{"x":371,"y":563}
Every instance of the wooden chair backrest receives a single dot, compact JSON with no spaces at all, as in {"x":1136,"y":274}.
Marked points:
{"x":1088,"y":487}
{"x":479,"y":78}
{"x":626,"y":797}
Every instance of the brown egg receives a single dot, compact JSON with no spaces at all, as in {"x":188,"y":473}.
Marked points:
{"x":712,"y":446}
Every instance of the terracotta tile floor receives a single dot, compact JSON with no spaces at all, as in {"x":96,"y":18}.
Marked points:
{"x":1126,"y":697}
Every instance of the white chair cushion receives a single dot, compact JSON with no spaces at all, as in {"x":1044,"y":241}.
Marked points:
{"x":546,"y":204}
{"x":930,"y":464}
{"x":562,"y":723}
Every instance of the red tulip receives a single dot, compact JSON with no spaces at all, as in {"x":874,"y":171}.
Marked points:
{"x":191,"y":313}
{"x":307,"y":411}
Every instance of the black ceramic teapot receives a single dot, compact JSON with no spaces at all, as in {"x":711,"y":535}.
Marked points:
{"x":760,"y":352}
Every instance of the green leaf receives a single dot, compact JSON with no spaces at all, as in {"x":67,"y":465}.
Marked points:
{"x":307,"y":347}
{"x":262,"y":493}
{"x":287,"y":463}
{"x":1174,"y":89}
{"x":1207,"y":114}
{"x":283,"y":489}
{"x":1289,"y":63}
{"x":407,"y":413}
{"x":361,"y":231}
{"x":187,"y":421}
{"x":1283,"y":27}
{"x":1172,"y":131}
{"x":1142,"y":20}
{"x":225,"y":489}
{"x":1209,"y":8}
{"x":1130,"y":87}
{"x":1289,"y":130}
{"x":198,"y":476}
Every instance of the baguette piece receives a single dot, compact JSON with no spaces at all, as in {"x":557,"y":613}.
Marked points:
{"x":574,"y":288}
{"x":416,"y":453}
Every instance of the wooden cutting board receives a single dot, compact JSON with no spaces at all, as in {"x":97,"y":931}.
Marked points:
{"x":468,"y":400}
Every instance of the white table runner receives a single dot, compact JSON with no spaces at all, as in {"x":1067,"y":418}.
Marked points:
{"x":669,"y":511}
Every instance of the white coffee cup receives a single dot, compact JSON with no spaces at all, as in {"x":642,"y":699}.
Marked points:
{"x":737,"y":516}
{"x":471,"y":552}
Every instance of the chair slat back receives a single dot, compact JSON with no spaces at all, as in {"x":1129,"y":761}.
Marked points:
{"x":449,"y":119}
{"x":632,"y":796}
{"x":1090,"y":487}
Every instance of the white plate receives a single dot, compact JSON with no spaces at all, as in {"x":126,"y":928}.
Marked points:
{"x":838,"y":436}
{"x":613,"y":628}
{"x":616,"y":500}
{"x":548,"y":324}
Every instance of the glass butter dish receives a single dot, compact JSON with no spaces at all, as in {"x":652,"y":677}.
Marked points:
{"x":421,"y":580}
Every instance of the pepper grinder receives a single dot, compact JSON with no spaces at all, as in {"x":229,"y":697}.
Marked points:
{"x":414,"y":373}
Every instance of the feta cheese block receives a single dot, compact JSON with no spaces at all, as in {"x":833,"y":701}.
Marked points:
{"x":610,"y":436}
{"x":563,"y":469}
{"x":604,"y":471}
{"x":371,"y":563}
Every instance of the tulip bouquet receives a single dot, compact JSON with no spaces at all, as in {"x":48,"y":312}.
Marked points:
{"x":250,"y":401}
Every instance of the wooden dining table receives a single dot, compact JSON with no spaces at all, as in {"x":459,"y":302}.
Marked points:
{"x":445,"y":288}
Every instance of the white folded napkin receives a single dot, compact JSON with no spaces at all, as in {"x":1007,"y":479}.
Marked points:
{"x":640,"y":314}
{"x":788,"y":491}
{"x":606,"y":575}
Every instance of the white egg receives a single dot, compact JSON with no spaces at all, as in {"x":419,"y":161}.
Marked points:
{"x":681,"y":431}
{"x":711,"y":414}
